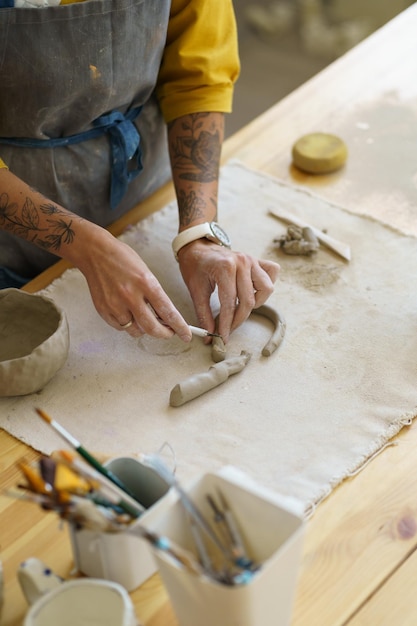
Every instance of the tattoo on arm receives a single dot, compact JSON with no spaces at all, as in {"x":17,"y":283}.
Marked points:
{"x":196,"y":153}
{"x":191,"y":206}
{"x":195,"y":147}
{"x":26,"y":223}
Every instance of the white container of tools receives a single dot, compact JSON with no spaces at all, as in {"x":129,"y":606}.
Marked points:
{"x":120,"y":557}
{"x":271,"y":529}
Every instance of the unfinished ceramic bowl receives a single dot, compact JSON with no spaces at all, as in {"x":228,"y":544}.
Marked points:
{"x":34,"y":341}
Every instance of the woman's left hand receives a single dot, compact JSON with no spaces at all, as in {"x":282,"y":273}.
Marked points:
{"x":243,"y":283}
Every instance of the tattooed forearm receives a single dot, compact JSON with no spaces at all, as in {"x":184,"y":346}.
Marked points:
{"x":195,"y":148}
{"x":195,"y":142}
{"x":191,"y":207}
{"x":63,"y":233}
{"x":27,"y":222}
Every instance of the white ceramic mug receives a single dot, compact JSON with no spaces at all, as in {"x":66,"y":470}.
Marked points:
{"x":83,"y":602}
{"x":121,"y":557}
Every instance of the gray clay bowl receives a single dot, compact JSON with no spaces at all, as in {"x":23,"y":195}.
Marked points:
{"x":34,"y":341}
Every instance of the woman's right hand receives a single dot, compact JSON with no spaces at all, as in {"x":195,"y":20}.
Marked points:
{"x":124,"y":290}
{"x":122,"y":287}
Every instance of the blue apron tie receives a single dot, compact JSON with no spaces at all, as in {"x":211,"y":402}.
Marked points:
{"x":126,"y":161}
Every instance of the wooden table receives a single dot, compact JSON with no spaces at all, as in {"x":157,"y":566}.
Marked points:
{"x":360,"y":555}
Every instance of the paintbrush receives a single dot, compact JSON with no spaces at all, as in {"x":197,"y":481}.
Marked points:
{"x":91,"y":460}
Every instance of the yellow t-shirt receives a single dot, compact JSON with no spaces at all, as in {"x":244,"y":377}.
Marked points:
{"x":200,"y":63}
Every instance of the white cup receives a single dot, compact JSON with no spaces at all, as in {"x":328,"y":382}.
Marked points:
{"x":83,"y":602}
{"x":121,"y":557}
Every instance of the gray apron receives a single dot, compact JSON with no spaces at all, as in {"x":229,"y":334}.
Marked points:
{"x":61,"y":69}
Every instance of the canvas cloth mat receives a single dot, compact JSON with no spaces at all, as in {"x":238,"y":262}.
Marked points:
{"x":340,"y":386}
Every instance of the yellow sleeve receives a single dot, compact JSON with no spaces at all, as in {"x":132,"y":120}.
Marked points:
{"x":3,"y":164}
{"x":200,"y":63}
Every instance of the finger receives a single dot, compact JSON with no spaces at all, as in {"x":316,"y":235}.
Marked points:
{"x":122,"y":321}
{"x":271,"y":268}
{"x":163,"y":320}
{"x":254,"y":285}
{"x":236,"y":294}
{"x":151,"y":325}
{"x":200,"y":296}
{"x":155,"y":313}
{"x":127,"y":325}
{"x":228,"y":297}
{"x":206,"y":320}
{"x":135,"y":331}
{"x":263,"y":277}
{"x":249,"y":282}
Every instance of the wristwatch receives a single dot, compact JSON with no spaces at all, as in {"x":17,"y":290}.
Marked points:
{"x":208,"y":230}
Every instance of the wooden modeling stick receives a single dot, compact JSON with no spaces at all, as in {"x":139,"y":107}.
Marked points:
{"x":199,"y":384}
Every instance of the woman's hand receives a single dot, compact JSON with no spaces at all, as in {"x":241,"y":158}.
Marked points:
{"x":243,"y":282}
{"x":124,"y":290}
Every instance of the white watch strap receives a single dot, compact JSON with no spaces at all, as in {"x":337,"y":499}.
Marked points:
{"x":191,"y":234}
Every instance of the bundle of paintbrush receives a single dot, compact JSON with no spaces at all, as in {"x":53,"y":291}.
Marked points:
{"x":76,"y":493}
{"x":88,"y":500}
{"x":79,"y":488}
{"x":86,"y":493}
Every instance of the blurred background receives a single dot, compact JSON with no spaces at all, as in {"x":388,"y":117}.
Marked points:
{"x":283,"y":43}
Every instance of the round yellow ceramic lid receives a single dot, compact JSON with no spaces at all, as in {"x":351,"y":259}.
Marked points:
{"x":319,"y":153}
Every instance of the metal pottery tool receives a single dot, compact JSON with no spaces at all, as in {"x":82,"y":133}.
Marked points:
{"x":339,"y":247}
{"x":201,"y":332}
{"x":165,"y":473}
{"x":237,"y":568}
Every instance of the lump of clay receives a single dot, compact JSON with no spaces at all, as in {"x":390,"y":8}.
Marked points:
{"x":299,"y":241}
{"x":278,"y":333}
{"x":198,"y":384}
{"x":218,"y":348}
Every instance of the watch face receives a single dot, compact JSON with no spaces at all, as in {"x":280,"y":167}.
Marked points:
{"x":220,"y":234}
